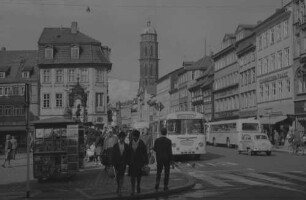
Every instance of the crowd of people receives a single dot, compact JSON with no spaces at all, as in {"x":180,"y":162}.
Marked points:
{"x":112,"y":150}
{"x":10,"y":150}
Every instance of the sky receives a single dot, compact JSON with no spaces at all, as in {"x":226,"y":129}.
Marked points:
{"x":182,"y":27}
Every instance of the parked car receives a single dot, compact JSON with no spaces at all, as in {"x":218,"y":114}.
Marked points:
{"x":255,"y":143}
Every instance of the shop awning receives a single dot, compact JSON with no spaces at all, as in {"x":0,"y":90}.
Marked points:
{"x":271,"y":119}
{"x":12,"y":128}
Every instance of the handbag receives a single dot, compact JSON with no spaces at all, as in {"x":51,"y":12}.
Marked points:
{"x":111,"y":172}
{"x":145,"y":170}
{"x":151,"y":159}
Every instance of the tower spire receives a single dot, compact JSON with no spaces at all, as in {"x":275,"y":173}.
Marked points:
{"x":148,"y":22}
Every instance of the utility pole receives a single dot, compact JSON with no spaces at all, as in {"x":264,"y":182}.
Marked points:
{"x":27,"y":111}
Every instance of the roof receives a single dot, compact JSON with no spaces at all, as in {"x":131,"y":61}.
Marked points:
{"x":62,"y":39}
{"x":64,"y":36}
{"x":16,"y":62}
{"x":245,"y":27}
{"x":149,"y":29}
{"x":169,"y":75}
{"x":202,"y":63}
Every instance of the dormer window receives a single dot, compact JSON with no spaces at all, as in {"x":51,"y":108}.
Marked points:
{"x":25,"y":74}
{"x":48,"y":53}
{"x":75,"y":52}
{"x":2,"y":74}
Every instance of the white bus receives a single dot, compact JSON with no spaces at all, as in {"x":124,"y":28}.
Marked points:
{"x":230,"y":132}
{"x":186,"y":131}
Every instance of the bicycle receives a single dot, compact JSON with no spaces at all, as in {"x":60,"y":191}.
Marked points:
{"x":296,"y":148}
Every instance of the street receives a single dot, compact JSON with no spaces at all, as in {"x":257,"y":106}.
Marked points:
{"x":224,"y":174}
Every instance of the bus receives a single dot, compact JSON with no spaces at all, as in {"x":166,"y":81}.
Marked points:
{"x":230,"y":132}
{"x":186,"y":131}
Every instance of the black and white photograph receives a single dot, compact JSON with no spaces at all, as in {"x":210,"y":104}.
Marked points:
{"x":153,"y":99}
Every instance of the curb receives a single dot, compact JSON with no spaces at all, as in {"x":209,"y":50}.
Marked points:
{"x":191,"y":183}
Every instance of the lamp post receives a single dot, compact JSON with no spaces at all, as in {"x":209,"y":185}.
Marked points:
{"x":27,"y":106}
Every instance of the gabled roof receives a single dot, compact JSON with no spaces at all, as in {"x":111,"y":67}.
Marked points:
{"x":201,"y":64}
{"x":64,"y":36}
{"x":228,"y":35}
{"x":17,"y":61}
{"x":245,"y":27}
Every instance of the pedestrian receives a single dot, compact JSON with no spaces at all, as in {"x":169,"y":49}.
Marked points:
{"x":121,"y":154}
{"x":14,"y":147}
{"x":109,"y":142}
{"x":276,"y":138}
{"x":8,"y":151}
{"x":138,"y":159}
{"x":146,"y":137}
{"x":99,"y":145}
{"x":163,"y":149}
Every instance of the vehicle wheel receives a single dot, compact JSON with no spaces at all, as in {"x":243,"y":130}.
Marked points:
{"x":214,"y":142}
{"x":268,"y":153}
{"x":239,"y":152}
{"x":249,"y":152}
{"x":228,"y":143}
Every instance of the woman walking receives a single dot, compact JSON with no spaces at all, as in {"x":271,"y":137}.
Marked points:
{"x":138,"y":159}
{"x":8,"y":151}
{"x":121,"y":154}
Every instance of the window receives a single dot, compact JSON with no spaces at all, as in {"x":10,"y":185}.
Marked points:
{"x":286,"y":28}
{"x":261,"y":92}
{"x":99,"y":100}
{"x":272,"y":36}
{"x":288,"y":85}
{"x":100,"y":75}
{"x":46,"y":76}
{"x":151,"y":70}
{"x":273,"y":89}
{"x":280,"y":89}
{"x":259,"y":67}
{"x":15,"y":90}
{"x":59,"y":100}
{"x":146,"y":51}
{"x":272,"y":62}
{"x":59,"y":76}
{"x":286,"y":57}
{"x":2,"y":74}
{"x":302,"y":84}
{"x":253,"y":76}
{"x":1,"y":91}
{"x":84,"y":75}
{"x":279,"y":60}
{"x":18,"y":111}
{"x":49,"y":53}
{"x":75,"y":52}
{"x":71,"y":77}
{"x":25,"y":74}
{"x":1,"y":110}
{"x":151,"y":50}
{"x":277,"y":32}
{"x":264,"y":65}
{"x":249,"y":77}
{"x":259,"y":43}
{"x":264,"y":40}
{"x":7,"y":91}
{"x":8,"y":110}
{"x":46,"y":100}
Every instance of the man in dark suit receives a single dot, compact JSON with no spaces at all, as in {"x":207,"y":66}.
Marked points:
{"x":121,"y":153}
{"x":163,"y":149}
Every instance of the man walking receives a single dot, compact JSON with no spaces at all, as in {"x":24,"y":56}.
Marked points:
{"x":163,"y":149}
{"x":14,"y":147}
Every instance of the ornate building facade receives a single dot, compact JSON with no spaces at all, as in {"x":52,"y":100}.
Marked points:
{"x":73,"y":71}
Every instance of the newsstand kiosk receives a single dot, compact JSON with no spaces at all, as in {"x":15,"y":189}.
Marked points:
{"x":58,"y":148}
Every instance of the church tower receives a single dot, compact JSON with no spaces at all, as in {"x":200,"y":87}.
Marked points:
{"x":148,"y":58}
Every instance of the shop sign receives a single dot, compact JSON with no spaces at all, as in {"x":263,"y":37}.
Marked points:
{"x":227,"y":114}
{"x":248,"y":113}
{"x":274,"y":77}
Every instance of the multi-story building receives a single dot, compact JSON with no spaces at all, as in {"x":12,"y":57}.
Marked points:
{"x":207,"y":91}
{"x":201,"y":78}
{"x":299,"y":59}
{"x":73,"y":70}
{"x":16,"y":69}
{"x":245,"y":49}
{"x":226,"y":80}
{"x":275,"y":76}
{"x":174,"y":93}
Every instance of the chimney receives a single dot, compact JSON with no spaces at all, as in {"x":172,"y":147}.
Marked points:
{"x":3,"y":49}
{"x":74,"y":27}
